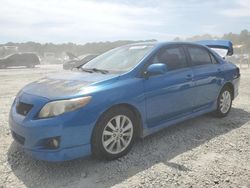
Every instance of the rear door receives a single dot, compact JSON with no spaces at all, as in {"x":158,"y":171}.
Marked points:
{"x":206,"y":75}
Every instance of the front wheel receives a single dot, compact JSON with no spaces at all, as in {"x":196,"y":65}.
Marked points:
{"x":224,"y":102}
{"x":114,"y":134}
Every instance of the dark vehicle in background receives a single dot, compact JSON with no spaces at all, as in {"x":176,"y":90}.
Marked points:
{"x":29,"y":60}
{"x":78,"y":61}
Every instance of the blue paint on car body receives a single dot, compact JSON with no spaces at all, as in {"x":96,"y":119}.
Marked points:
{"x":160,"y":101}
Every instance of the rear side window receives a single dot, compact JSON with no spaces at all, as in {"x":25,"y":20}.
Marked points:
{"x":199,"y":56}
{"x":173,"y":57}
{"x":13,"y":57}
{"x":29,"y":58}
{"x":214,"y":61}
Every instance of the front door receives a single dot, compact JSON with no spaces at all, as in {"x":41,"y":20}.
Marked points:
{"x":170,"y":95}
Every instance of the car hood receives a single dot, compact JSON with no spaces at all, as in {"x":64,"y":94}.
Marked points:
{"x":67,"y":85}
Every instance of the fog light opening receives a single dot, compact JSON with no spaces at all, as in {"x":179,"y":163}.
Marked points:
{"x":53,"y":143}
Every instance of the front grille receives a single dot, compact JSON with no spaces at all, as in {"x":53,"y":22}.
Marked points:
{"x":20,"y":139}
{"x":23,"y":108}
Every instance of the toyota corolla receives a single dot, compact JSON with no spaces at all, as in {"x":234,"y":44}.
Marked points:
{"x":128,"y":92}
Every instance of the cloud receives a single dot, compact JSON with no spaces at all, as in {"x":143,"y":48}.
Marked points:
{"x":83,"y":21}
{"x":240,"y":10}
{"x":74,"y":19}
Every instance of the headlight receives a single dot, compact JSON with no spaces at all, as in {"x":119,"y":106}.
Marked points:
{"x":56,"y":108}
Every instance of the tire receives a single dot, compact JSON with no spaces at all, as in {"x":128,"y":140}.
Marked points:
{"x":224,"y":102}
{"x":107,"y":141}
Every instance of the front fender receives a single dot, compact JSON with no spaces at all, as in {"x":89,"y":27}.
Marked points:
{"x":128,"y":91}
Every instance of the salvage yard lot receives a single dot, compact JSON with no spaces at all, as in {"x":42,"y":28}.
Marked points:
{"x":200,"y":152}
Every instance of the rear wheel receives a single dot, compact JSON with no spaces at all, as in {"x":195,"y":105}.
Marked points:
{"x":114,"y":134}
{"x":224,"y":102}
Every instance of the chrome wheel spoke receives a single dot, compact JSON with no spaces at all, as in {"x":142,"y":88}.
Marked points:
{"x":123,"y":141}
{"x":127,"y":127}
{"x":108,"y":141}
{"x":118,"y":121}
{"x":111,"y":126}
{"x":112,"y":145}
{"x":123,"y":122}
{"x":107,"y":133}
{"x":118,"y":143}
{"x":127,"y":134}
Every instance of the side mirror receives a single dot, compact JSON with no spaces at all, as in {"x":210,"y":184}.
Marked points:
{"x":156,"y":69}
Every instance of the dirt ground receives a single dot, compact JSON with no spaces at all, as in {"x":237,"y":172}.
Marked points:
{"x":202,"y":152}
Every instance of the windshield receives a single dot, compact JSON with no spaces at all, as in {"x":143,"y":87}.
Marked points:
{"x":120,"y":59}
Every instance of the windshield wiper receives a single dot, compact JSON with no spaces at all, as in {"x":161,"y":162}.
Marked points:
{"x":93,"y":70}
{"x":85,"y":70}
{"x":100,"y":70}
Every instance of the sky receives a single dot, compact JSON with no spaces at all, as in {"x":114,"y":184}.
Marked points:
{"x":81,"y":21}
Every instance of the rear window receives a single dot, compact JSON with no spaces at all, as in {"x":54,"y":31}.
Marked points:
{"x":29,"y":57}
{"x":13,"y":57}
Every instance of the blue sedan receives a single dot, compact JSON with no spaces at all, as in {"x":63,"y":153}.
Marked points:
{"x":126,"y":93}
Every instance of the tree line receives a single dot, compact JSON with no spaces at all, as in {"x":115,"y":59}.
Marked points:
{"x":76,"y":49}
{"x":243,"y":38}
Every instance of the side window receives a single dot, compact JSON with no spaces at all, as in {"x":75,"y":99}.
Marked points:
{"x":13,"y":57}
{"x":26,"y":58}
{"x":173,"y":57}
{"x":199,"y":56}
{"x":214,"y":61}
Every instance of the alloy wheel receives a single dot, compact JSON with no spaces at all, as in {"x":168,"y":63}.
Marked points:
{"x":117,"y":134}
{"x":225,"y":102}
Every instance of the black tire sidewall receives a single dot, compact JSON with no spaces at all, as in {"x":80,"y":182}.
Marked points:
{"x":98,"y":149}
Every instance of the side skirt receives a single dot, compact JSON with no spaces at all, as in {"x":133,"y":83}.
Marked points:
{"x":162,"y":125}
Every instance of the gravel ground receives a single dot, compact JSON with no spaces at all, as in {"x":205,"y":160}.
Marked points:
{"x":202,"y":152}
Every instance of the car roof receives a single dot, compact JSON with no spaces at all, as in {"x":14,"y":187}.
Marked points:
{"x":160,"y":44}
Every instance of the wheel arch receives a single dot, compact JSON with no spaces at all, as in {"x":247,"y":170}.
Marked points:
{"x":134,"y":110}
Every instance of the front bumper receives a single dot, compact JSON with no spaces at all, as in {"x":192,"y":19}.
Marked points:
{"x":61,"y":155}
{"x":73,"y":129}
{"x":33,"y":142}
